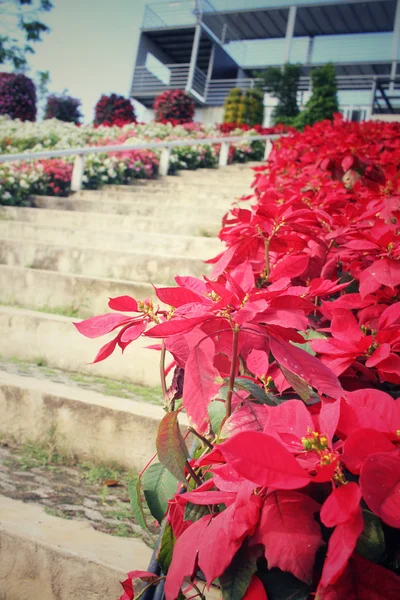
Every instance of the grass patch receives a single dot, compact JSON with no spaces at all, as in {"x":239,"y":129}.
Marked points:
{"x":55,"y":512}
{"x":40,"y":361}
{"x":121,"y":513}
{"x":98,"y":473}
{"x":63,"y":311}
{"x":123,"y":530}
{"x":45,"y":454}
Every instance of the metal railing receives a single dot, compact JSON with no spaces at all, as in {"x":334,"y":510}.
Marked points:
{"x":165,"y":147}
{"x":148,"y":83}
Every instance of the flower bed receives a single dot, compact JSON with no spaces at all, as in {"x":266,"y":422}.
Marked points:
{"x":120,"y":168}
{"x":287,"y":364}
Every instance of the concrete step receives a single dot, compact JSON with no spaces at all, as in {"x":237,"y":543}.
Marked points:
{"x":187,"y":195}
{"x":91,"y":262}
{"x":177,"y":213}
{"x":107,"y":221}
{"x":60,"y":293}
{"x":49,"y":558}
{"x":84,"y":421}
{"x":30,"y":335}
{"x":154,"y":243}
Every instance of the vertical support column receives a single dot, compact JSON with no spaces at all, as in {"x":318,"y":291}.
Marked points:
{"x":193,"y":57}
{"x":210,"y":70}
{"x":310,"y":48}
{"x":395,"y":45}
{"x":373,"y":93}
{"x":164,"y":161}
{"x":77,"y":173}
{"x":289,"y":33}
{"x":223,"y":154}
{"x":268,"y":148}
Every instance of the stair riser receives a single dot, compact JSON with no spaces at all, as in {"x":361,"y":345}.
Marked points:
{"x":71,"y":294}
{"x":55,"y":340}
{"x":106,"y":222}
{"x":158,"y":197}
{"x":164,"y":244}
{"x":94,"y":263}
{"x":84,"y":422}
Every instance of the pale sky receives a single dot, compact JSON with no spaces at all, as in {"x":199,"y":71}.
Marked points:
{"x":91,"y":48}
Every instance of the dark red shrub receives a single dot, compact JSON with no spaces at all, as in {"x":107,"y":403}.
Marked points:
{"x":114,"y":110}
{"x":17,"y":97}
{"x":63,"y":108}
{"x":174,"y":106}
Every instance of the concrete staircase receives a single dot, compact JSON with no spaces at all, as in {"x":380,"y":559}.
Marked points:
{"x":60,"y":260}
{"x":64,"y":257}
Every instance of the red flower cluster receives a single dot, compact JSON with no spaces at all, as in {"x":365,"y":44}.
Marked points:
{"x":174,"y":106}
{"x":17,"y":97}
{"x":114,"y":110}
{"x":58,"y":176}
{"x":287,"y":363}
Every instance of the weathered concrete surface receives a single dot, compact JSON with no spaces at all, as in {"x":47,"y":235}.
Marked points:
{"x":190,"y":212}
{"x":93,"y":262}
{"x":48,"y":558}
{"x":28,"y":335}
{"x":124,"y":241}
{"x":87,"y":424}
{"x":111,"y":222}
{"x":85,"y":296}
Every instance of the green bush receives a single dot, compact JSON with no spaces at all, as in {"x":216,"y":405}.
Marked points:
{"x":244,"y":107}
{"x":232,"y":105}
{"x":323,"y":103}
{"x":283,"y":84}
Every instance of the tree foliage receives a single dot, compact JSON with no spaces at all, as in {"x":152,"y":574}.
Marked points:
{"x":323,"y":103}
{"x":20,"y":25}
{"x":283,"y":84}
{"x":17,"y":96}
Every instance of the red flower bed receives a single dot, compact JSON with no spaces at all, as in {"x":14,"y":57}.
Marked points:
{"x":288,"y":364}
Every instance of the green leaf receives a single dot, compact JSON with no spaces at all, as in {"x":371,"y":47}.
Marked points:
{"x":216,"y":412}
{"x":371,"y":543}
{"x":194,"y":512}
{"x":310,"y":334}
{"x":171,"y":448}
{"x":300,"y":386}
{"x":159,"y":486}
{"x":254,"y":390}
{"x":135,"y":500}
{"x":236,"y":579}
{"x":166,"y":548}
{"x":281,"y":585}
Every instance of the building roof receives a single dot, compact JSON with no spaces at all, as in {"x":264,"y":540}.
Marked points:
{"x":375,"y":16}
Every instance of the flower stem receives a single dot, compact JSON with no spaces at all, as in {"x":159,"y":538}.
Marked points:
{"x":203,"y":439}
{"x":267,"y":267}
{"x":162,"y":378}
{"x":232,"y":373}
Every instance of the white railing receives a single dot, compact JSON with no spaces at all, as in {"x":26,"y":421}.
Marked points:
{"x":165,"y":147}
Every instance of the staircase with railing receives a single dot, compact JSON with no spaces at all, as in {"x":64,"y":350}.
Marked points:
{"x":386,"y":96}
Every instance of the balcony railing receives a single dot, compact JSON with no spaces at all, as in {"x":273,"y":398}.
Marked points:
{"x":148,"y":83}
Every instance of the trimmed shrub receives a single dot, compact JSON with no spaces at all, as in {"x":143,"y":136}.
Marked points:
{"x":17,"y":97}
{"x":244,"y":108}
{"x":282,"y":84}
{"x":174,"y":106}
{"x":63,"y":108}
{"x":232,"y":106}
{"x":323,"y":103}
{"x":114,"y":110}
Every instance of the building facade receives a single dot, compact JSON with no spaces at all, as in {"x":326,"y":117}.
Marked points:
{"x":207,"y":47}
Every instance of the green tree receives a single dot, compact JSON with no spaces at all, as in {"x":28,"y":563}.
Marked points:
{"x":282,"y":83}
{"x":323,"y":103}
{"x":42,"y":81}
{"x":19,"y":26}
{"x":232,"y":106}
